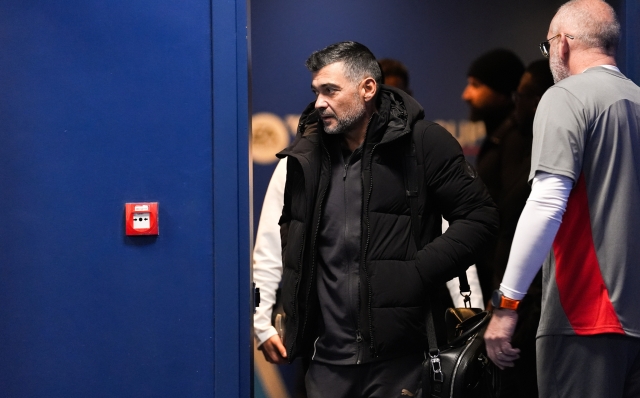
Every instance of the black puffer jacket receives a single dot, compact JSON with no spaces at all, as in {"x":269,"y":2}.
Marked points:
{"x":395,"y":276}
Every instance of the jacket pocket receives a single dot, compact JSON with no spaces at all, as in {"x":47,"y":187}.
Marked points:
{"x":395,"y":283}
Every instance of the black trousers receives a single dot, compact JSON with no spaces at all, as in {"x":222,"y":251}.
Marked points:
{"x":600,"y":366}
{"x":380,"y":379}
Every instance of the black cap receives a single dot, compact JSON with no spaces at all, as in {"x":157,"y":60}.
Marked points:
{"x":499,"y":69}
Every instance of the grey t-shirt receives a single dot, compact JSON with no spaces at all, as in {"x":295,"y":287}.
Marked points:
{"x":587,"y":128}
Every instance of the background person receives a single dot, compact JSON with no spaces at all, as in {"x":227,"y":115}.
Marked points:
{"x":491,"y":81}
{"x":582,"y":216}
{"x":515,"y":162}
{"x":395,"y":74}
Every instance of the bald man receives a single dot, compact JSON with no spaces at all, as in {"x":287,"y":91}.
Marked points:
{"x":582,"y":218}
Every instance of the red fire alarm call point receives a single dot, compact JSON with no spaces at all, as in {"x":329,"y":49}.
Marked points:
{"x":141,"y":218}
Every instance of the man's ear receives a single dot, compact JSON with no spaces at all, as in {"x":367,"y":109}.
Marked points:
{"x":369,"y":88}
{"x":564,"y":48}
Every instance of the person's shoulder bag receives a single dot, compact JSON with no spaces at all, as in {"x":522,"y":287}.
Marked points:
{"x":461,"y":367}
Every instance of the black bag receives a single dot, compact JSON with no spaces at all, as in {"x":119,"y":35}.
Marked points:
{"x":460,"y":369}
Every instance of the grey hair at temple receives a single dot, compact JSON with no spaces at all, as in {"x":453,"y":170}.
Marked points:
{"x":359,"y":61}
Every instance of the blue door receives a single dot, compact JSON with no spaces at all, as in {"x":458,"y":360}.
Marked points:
{"x":101,"y":104}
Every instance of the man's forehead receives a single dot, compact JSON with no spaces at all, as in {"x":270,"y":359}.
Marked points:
{"x":474,"y":81}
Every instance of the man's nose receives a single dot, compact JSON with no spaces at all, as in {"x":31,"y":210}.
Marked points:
{"x":321,"y":103}
{"x":466,"y":93}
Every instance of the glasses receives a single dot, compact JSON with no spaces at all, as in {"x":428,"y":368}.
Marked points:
{"x":544,"y":46}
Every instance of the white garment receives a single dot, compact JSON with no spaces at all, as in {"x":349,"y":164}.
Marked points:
{"x":267,"y":259}
{"x":267,"y":254}
{"x":477,"y":301}
{"x":536,"y":230}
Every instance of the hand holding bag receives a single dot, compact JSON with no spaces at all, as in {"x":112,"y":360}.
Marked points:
{"x":461,"y":368}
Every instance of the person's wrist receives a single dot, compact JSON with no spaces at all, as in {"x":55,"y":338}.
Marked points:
{"x":504,"y":311}
{"x":500,"y":301}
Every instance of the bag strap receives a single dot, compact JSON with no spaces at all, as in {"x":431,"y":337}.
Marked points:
{"x":413,"y":192}
{"x":411,"y":185}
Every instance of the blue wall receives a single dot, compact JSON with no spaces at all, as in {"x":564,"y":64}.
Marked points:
{"x":629,"y":54}
{"x":103,"y":103}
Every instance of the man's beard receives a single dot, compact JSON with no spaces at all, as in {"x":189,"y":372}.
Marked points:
{"x":476,"y":114}
{"x":487,"y":112}
{"x":344,"y":123}
{"x":558,"y":69}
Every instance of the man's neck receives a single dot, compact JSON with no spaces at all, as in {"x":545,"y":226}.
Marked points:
{"x":492,"y":123}
{"x":588,"y":60}
{"x":355,"y":137}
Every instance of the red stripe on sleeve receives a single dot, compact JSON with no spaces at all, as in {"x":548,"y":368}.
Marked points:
{"x":583,"y":293}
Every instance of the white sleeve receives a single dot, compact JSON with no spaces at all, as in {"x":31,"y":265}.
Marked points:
{"x":267,"y":253}
{"x":536,"y":230}
{"x":477,"y":301}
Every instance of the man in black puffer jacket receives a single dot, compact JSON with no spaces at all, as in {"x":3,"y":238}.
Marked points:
{"x":355,"y":286}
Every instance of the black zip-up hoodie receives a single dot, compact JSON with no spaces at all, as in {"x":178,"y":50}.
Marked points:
{"x":396,"y":277}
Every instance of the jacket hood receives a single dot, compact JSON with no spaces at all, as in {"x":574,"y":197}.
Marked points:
{"x":397,"y":113}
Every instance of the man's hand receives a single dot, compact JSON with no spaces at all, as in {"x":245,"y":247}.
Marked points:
{"x":498,"y":335}
{"x":274,"y":351}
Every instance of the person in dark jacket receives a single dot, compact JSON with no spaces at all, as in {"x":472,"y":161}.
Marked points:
{"x":395,"y":74}
{"x":491,"y":81}
{"x":511,"y":193}
{"x":355,"y":284}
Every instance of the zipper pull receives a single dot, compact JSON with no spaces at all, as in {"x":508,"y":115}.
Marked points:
{"x":358,"y":336}
{"x":346,"y":166}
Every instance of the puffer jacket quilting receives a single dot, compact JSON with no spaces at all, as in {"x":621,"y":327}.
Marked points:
{"x":395,"y":276}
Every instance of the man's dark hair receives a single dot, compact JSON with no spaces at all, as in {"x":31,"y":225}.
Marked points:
{"x":393,"y":67}
{"x":500,"y":69}
{"x":541,"y":75}
{"x":359,"y":61}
